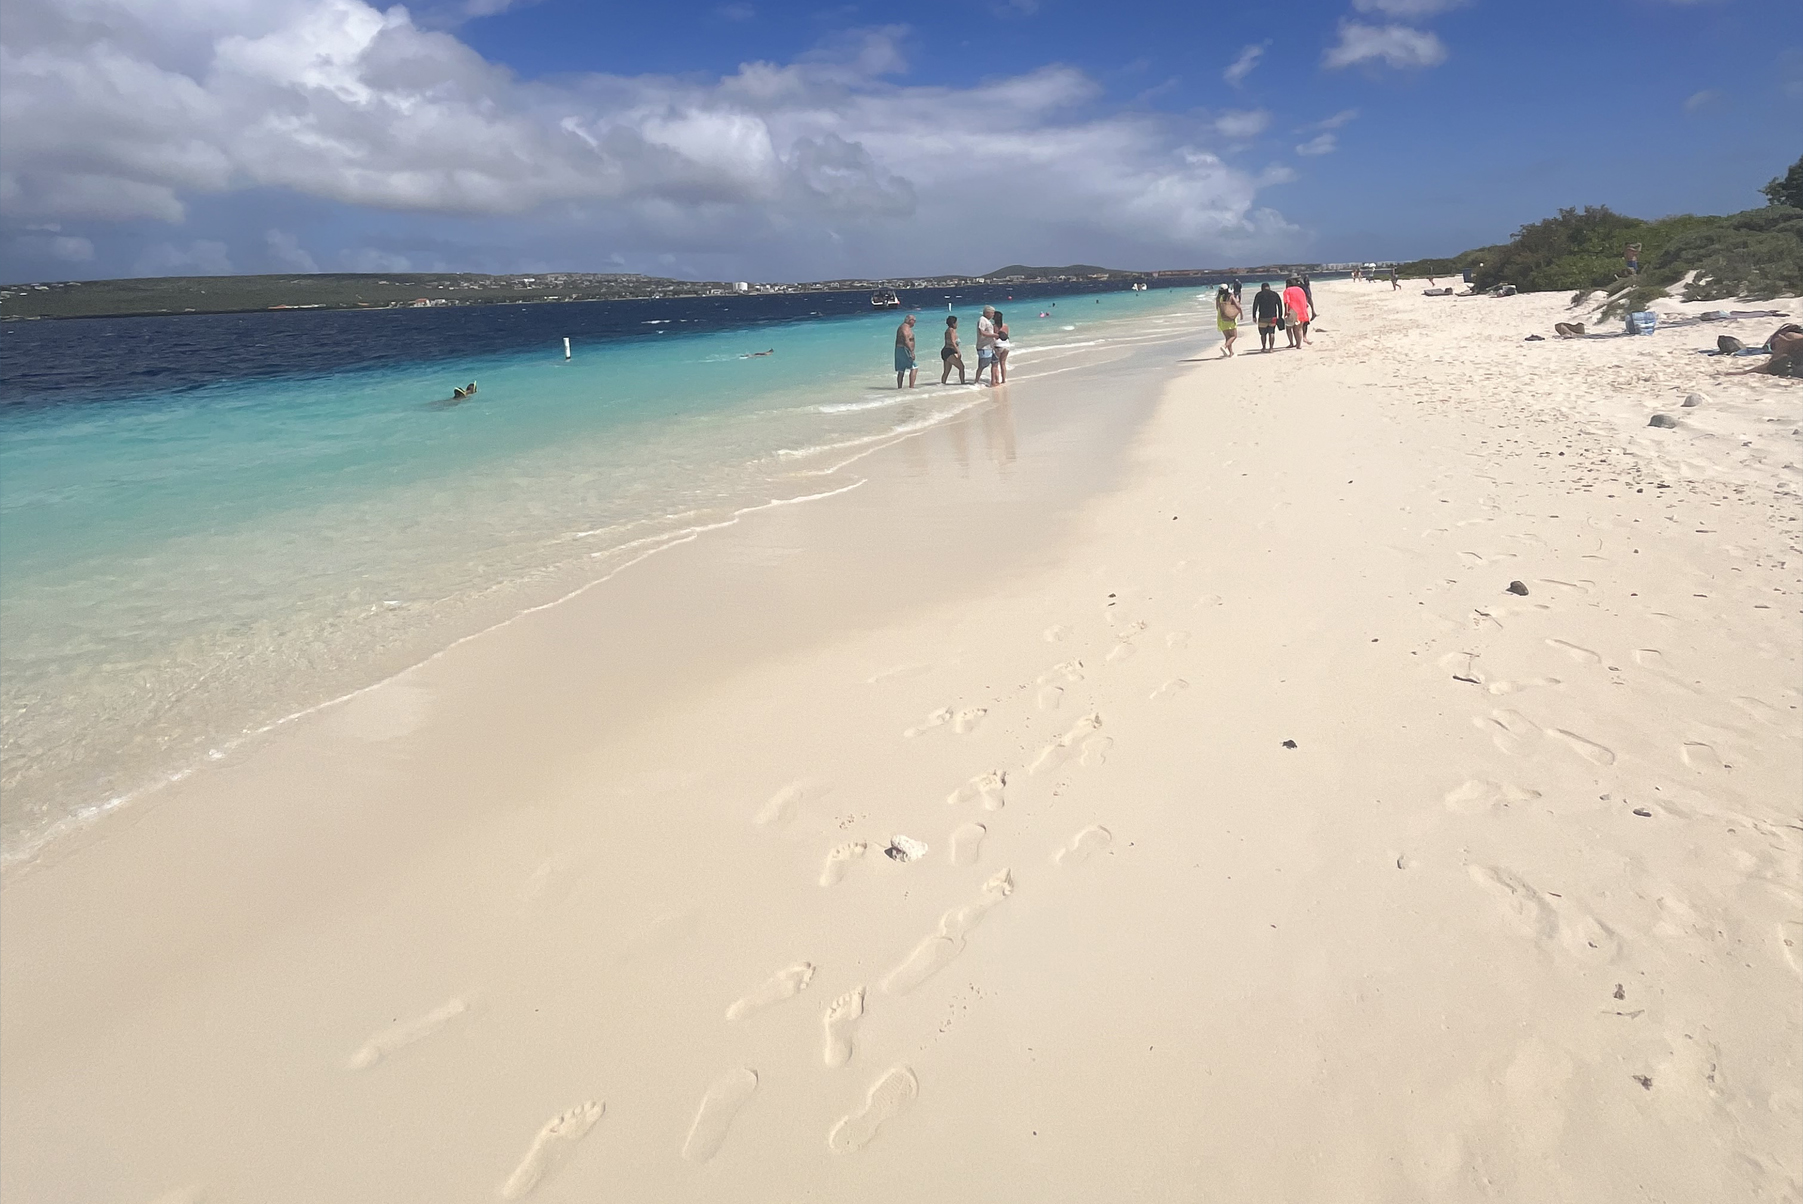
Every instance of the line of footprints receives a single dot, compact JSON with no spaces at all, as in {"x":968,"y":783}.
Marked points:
{"x":895,"y":1090}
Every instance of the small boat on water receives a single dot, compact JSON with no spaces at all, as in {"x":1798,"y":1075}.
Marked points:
{"x":885,"y":298}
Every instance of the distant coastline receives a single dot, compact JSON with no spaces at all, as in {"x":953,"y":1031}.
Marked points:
{"x":169,"y":295}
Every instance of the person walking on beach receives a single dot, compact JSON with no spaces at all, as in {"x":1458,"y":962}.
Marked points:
{"x":1227,"y":318}
{"x":1394,"y":282}
{"x":1266,"y":307}
{"x":1296,"y":312}
{"x":1002,"y":348}
{"x":986,"y":344}
{"x":905,"y":363}
{"x":1236,"y":288}
{"x":949,"y":355}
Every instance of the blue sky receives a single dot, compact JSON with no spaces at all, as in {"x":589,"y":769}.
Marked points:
{"x":783,"y":141}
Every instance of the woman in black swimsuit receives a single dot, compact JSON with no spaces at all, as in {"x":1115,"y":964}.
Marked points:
{"x":949,"y":354}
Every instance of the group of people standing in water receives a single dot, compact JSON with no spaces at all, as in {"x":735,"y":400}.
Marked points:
{"x":1291,"y":311}
{"x":992,"y":350}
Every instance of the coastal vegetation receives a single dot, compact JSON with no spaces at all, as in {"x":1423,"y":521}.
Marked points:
{"x":1757,"y":253}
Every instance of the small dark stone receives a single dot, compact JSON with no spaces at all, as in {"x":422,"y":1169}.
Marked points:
{"x":1693,"y":401}
{"x":1727,"y":344}
{"x":1533,"y":338}
{"x":1619,"y":993}
{"x":1645,"y":1081}
{"x":1665,"y":420}
{"x":1643,"y":813}
{"x":1517,"y":587}
{"x":1289,"y":744}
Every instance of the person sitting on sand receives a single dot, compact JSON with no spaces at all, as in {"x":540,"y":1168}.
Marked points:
{"x":905,"y":364}
{"x":999,"y":375}
{"x":949,"y":355}
{"x":1267,"y":306}
{"x":1227,"y":318}
{"x":1296,"y":312}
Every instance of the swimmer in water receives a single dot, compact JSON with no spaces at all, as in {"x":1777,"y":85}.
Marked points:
{"x":758,"y":354}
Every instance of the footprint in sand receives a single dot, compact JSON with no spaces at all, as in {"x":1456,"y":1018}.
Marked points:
{"x":1582,"y":587}
{"x":718,"y":1107}
{"x":1582,"y":655}
{"x":839,"y":860}
{"x":1049,"y":698}
{"x":1059,"y":750}
{"x":1702,"y":757}
{"x":1176,"y":639}
{"x":785,"y":802}
{"x":938,"y":718}
{"x":1480,"y":795}
{"x":1590,"y":750}
{"x":1095,"y":751}
{"x":553,"y":1146}
{"x":840,"y":1023}
{"x":1649,"y":658}
{"x":1083,"y":846}
{"x":1516,"y":687}
{"x":1765,"y":712}
{"x":985,"y":788}
{"x":1122,"y":652}
{"x":887,"y":1099}
{"x":1170,"y":689}
{"x":406,"y":1033}
{"x":966,"y":842}
{"x":967,"y":719}
{"x":1533,"y":914}
{"x":1508,"y":730}
{"x":936,"y":952}
{"x":784,"y":984}
{"x":1067,"y":671}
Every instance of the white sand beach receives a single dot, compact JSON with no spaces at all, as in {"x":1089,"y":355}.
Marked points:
{"x":1274,"y":850}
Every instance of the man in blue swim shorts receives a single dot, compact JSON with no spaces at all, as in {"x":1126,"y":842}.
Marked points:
{"x":904,"y":352}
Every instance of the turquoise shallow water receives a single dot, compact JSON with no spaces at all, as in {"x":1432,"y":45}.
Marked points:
{"x":180,"y":567}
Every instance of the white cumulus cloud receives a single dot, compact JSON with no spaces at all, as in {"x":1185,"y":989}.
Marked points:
{"x":114,"y":110}
{"x":285,"y":250}
{"x":1242,"y":123}
{"x":1395,"y":45}
{"x":1321,"y":144}
{"x":1244,"y":62}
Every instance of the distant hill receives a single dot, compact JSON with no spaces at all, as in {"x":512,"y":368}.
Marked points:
{"x":374,"y":290}
{"x":1075,"y":269}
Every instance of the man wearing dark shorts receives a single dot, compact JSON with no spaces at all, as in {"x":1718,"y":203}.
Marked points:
{"x":904,"y":352}
{"x":1266,"y":306}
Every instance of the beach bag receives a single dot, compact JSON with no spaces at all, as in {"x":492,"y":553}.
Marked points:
{"x":1644,"y":322}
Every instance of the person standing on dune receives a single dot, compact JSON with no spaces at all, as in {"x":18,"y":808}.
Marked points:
{"x":905,"y":362}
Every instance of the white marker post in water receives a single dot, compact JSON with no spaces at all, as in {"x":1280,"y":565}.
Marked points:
{"x":566,"y":348}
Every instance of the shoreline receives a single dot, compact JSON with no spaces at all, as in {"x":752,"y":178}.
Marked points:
{"x":613,"y":875}
{"x":21,"y":856}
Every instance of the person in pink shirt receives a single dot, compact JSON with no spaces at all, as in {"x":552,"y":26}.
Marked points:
{"x":1296,"y":315}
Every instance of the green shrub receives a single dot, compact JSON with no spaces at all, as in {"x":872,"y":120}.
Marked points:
{"x":1787,"y":190}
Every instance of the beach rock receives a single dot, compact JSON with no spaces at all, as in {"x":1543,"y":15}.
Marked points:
{"x":1517,"y":587}
{"x":1289,"y":744}
{"x":1533,"y":338}
{"x":1727,"y":344}
{"x":1665,"y":420}
{"x":1693,"y":401}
